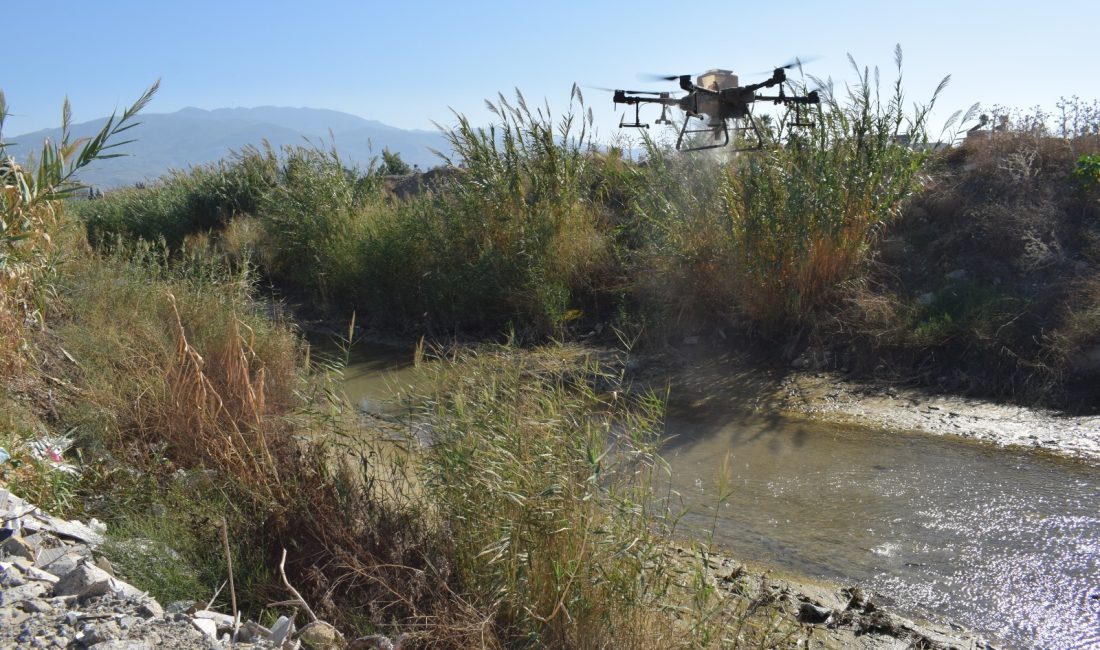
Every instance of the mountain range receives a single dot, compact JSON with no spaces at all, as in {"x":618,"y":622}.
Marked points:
{"x":194,"y":136}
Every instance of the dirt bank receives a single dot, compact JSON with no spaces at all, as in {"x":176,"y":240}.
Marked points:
{"x":742,"y":381}
{"x":835,"y":398}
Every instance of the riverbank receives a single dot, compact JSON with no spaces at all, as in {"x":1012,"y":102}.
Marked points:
{"x":751,"y":383}
{"x":828,"y":615}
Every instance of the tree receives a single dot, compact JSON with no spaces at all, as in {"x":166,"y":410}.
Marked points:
{"x":392,"y":165}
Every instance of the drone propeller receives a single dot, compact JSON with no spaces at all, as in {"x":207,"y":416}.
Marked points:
{"x":655,"y":93}
{"x":660,"y":77}
{"x":796,"y":61}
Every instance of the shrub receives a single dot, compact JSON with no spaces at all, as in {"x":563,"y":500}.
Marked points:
{"x":201,"y":199}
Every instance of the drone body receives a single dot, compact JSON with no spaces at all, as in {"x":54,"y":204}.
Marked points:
{"x":716,"y":97}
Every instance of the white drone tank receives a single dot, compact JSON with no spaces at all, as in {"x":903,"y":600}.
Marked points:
{"x":716,"y":79}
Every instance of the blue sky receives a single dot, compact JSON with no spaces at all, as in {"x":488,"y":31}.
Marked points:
{"x":408,"y":63}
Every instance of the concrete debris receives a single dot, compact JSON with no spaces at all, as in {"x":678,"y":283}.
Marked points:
{"x":56,"y":592}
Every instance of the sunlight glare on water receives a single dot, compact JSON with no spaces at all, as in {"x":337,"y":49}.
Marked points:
{"x":1001,"y":541}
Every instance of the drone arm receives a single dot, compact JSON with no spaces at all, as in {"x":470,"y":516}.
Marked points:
{"x":623,"y":97}
{"x":811,"y":98}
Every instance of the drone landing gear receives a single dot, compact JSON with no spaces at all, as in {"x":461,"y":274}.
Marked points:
{"x":638,"y":124}
{"x":722,"y":132}
{"x":722,"y":136}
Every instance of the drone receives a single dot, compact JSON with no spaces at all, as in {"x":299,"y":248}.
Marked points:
{"x":716,"y":98}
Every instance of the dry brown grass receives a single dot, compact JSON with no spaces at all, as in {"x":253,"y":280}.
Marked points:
{"x":221,"y":419}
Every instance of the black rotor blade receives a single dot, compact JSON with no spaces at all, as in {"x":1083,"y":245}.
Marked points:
{"x":796,"y":61}
{"x":647,"y":76}
{"x":656,"y":93}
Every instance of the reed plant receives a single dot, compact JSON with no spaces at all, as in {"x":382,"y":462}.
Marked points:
{"x":313,"y":218}
{"x":182,"y":203}
{"x":32,"y":195}
{"x":793,"y":222}
{"x":544,"y":485}
{"x":804,"y":216}
{"x":515,"y":237}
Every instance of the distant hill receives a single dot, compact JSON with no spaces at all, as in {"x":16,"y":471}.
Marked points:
{"x":193,"y":136}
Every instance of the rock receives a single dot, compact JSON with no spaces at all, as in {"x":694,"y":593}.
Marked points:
{"x":319,"y":635}
{"x":206,"y":626}
{"x":281,"y":630}
{"x":926,"y":299}
{"x":858,"y":599}
{"x":29,"y":591}
{"x":150,"y":608}
{"x":11,"y":576}
{"x":36,"y":606}
{"x":90,"y":634}
{"x":372,"y":642}
{"x":180,"y":607}
{"x":105,"y":564}
{"x":84,"y":581}
{"x":957,"y":274}
{"x":811,"y":613}
{"x":691,"y":340}
{"x":16,"y":546}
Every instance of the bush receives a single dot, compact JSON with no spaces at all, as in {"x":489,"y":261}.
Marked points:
{"x":183,"y":203}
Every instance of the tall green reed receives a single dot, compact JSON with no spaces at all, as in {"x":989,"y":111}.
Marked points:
{"x":544,"y":485}
{"x":791,"y":223}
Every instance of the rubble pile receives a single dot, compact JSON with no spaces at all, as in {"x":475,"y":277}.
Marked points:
{"x":56,"y":592}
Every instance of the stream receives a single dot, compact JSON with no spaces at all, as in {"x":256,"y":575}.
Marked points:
{"x":1003,"y":541}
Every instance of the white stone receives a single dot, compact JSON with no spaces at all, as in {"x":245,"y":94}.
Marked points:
{"x":206,"y":626}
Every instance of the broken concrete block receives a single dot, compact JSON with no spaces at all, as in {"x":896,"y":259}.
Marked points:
{"x":222,"y":620}
{"x":63,"y":565}
{"x":150,"y":609}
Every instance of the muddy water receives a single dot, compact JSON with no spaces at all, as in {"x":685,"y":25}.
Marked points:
{"x":1004,"y":542}
{"x":375,"y":375}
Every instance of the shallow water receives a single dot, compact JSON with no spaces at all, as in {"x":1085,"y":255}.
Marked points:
{"x":1001,"y":541}
{"x":375,"y":375}
{"x":1005,"y":542}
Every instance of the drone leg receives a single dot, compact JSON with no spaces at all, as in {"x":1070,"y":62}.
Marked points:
{"x":715,"y":131}
{"x":759,"y":137}
{"x":683,"y":130}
